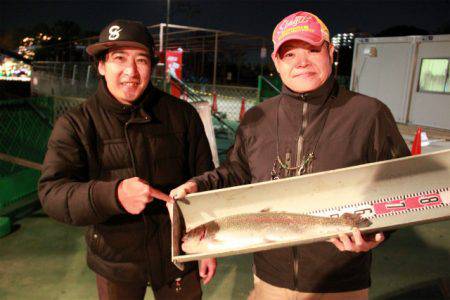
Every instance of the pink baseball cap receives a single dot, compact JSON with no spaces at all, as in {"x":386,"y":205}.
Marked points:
{"x":302,"y":26}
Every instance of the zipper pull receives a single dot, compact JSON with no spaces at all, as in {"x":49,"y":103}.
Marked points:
{"x":178,"y":285}
{"x":303,"y":96}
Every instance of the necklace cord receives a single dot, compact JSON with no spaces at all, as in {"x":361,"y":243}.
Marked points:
{"x":310,"y":156}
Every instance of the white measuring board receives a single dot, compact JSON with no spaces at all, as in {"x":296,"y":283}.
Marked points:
{"x":391,"y":194}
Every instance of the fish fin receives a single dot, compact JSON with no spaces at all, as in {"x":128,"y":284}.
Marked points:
{"x":356,"y":220}
{"x":268,"y":209}
{"x":271,"y":238}
{"x":216,"y":239}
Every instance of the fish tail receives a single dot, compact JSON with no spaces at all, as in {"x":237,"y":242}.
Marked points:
{"x":355,"y":220}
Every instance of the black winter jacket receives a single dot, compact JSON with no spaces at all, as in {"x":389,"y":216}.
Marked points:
{"x":92,"y":148}
{"x":343,"y":129}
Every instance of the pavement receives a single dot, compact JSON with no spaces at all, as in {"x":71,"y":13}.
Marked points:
{"x":44,"y":259}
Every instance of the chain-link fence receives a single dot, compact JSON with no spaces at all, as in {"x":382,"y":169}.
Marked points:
{"x":268,"y":87}
{"x":63,"y":79}
{"x":79,"y":80}
{"x":228,"y":98}
{"x":62,"y":104}
{"x":25,"y":126}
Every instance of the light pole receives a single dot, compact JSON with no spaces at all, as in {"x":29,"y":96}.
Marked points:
{"x":166,"y":45}
{"x":166,"y":42}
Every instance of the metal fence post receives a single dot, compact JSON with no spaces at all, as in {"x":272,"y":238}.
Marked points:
{"x":74,"y":73}
{"x":88,"y":75}
{"x":259,"y":88}
{"x":216,"y":42}
{"x":63,"y":71}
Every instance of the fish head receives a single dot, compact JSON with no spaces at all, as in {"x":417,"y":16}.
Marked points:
{"x":193,"y":239}
{"x":356,"y":220}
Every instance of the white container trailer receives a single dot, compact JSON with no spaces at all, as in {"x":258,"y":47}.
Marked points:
{"x":409,"y":74}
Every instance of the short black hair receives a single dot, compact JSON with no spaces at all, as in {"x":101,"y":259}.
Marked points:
{"x":101,"y":57}
{"x":95,"y":60}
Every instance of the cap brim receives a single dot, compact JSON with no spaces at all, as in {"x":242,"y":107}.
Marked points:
{"x":97,"y":48}
{"x":303,"y":37}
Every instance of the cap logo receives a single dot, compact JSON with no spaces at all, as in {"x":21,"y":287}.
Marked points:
{"x":299,"y":23}
{"x":304,"y":28}
{"x":293,"y":23}
{"x":114,"y":32}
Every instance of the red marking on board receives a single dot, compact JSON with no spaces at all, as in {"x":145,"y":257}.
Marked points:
{"x":408,"y":203}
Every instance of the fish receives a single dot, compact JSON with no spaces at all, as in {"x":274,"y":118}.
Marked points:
{"x":250,"y":229}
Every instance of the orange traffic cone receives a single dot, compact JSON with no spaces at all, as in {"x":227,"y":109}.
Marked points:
{"x":242,"y":112}
{"x":417,"y":144}
{"x":214,"y":105}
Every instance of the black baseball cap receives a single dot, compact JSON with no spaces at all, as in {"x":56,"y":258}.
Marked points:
{"x":122,"y":33}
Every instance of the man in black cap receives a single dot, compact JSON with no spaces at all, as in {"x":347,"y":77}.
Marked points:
{"x":109,"y":163}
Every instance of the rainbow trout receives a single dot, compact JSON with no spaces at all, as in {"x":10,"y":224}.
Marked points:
{"x":258,"y":228}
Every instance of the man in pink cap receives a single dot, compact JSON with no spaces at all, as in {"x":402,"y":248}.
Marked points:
{"x":314,"y":125}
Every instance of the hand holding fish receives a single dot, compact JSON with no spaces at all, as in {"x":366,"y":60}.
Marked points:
{"x":134,"y":194}
{"x":356,"y":242}
{"x":207,"y":269}
{"x":183,"y":190}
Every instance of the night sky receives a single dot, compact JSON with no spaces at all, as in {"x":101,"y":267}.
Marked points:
{"x":252,"y":17}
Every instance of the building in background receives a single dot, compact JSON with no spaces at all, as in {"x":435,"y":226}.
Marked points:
{"x":410,"y":74}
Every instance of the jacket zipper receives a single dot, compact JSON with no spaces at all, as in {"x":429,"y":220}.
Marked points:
{"x":133,"y":163}
{"x":302,"y":131}
{"x":298,"y":162}
{"x":296,"y":258}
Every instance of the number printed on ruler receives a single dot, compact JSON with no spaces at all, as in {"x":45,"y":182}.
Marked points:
{"x":410,"y":203}
{"x":392,"y":205}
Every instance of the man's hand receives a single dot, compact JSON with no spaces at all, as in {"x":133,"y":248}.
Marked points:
{"x":356,"y":242}
{"x":134,"y":194}
{"x":183,"y":190}
{"x":179,"y":193}
{"x":207,"y":269}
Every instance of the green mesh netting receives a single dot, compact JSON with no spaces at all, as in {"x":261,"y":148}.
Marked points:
{"x":268,"y":87}
{"x":25,"y":126}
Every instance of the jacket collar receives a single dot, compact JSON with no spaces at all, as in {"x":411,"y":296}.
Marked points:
{"x":316,"y":97}
{"x":109,"y":102}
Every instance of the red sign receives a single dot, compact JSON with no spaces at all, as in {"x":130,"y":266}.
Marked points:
{"x":173,"y":68}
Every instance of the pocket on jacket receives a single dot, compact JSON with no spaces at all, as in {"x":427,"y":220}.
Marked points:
{"x":117,"y":243}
